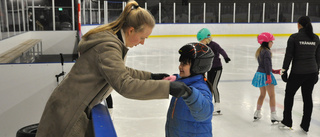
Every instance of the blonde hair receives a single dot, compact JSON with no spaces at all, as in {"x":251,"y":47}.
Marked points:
{"x":259,"y":51}
{"x":132,"y":16}
{"x":207,"y":40}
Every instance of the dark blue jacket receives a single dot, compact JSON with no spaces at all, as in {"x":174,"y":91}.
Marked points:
{"x":192,"y":116}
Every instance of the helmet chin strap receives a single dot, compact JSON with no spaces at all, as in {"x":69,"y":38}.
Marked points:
{"x":192,"y":73}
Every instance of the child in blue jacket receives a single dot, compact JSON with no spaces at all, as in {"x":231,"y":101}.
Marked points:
{"x":190,"y":115}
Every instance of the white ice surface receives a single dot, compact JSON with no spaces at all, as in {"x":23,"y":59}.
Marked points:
{"x":136,"y":118}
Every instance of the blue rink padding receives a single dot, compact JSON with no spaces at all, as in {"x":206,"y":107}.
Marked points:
{"x":102,"y":123}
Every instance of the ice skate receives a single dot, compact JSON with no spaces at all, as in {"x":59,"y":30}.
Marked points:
{"x":217,"y":110}
{"x":283,"y":126}
{"x":274,"y":117}
{"x":257,"y":115}
{"x":305,"y":130}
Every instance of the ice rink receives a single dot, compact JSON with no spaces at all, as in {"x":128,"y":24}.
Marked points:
{"x":135,"y":118}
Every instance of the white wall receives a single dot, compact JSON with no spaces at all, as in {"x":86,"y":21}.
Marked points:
{"x":222,"y":29}
{"x":53,"y":42}
{"x":24,"y":91}
{"x":9,"y":43}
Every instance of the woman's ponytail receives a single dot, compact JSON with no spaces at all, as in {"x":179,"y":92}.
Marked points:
{"x":132,"y":16}
{"x":309,"y":30}
{"x":305,"y":22}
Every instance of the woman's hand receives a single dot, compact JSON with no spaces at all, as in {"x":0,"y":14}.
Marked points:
{"x":158,"y":76}
{"x":284,"y":75}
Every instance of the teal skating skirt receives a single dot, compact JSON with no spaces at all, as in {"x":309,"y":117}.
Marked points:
{"x":259,"y":80}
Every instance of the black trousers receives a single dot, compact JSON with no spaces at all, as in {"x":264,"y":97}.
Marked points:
{"x":109,"y":101}
{"x":295,"y":81}
{"x":214,"y":77}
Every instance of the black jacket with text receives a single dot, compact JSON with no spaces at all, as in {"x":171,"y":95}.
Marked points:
{"x":304,"y":53}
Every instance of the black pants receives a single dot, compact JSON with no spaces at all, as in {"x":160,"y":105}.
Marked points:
{"x":214,"y":77}
{"x":109,"y":101}
{"x":295,"y":81}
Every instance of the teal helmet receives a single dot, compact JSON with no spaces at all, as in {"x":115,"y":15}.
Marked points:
{"x":203,"y":33}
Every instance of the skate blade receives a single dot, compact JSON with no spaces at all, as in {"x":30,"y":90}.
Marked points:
{"x":216,"y":113}
{"x":303,"y":131}
{"x":256,"y":118}
{"x":275,"y":121}
{"x":284,"y":127}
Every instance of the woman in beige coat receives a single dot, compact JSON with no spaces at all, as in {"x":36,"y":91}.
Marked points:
{"x":100,"y":69}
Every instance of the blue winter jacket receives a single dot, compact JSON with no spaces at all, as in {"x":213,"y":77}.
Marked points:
{"x":192,"y":116}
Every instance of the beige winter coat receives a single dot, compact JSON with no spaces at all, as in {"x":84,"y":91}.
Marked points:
{"x":99,"y":69}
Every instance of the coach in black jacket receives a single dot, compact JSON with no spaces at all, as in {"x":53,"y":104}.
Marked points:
{"x":303,"y":50}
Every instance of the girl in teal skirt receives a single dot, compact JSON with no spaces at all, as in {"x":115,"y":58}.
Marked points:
{"x":263,"y":78}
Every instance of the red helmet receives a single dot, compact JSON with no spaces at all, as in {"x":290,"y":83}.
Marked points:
{"x":265,"y":37}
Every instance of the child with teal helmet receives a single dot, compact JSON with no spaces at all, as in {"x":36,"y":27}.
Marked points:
{"x":203,"y":33}
{"x":214,"y":74}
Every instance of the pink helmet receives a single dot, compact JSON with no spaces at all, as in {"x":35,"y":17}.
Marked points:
{"x":265,"y":37}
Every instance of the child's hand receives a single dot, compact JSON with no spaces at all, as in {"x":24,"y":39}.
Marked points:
{"x":170,"y":78}
{"x":276,"y":71}
{"x":227,"y":60}
{"x":269,"y":80}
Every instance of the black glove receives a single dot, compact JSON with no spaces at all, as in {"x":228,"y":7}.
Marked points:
{"x":284,"y":75}
{"x":158,"y":76}
{"x":227,"y":60}
{"x":317,"y":78}
{"x":179,"y":89}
